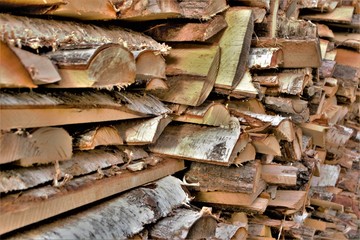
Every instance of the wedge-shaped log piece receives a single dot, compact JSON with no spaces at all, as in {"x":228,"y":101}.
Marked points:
{"x":329,"y":175}
{"x":149,"y":65}
{"x":41,"y":145}
{"x":324,"y":31}
{"x":341,"y":14}
{"x":59,"y":108}
{"x":296,"y":53}
{"x":13,"y":74}
{"x":185,"y":224}
{"x":235,"y":46}
{"x":198,"y":143}
{"x":204,"y":9}
{"x":134,"y":208}
{"x":98,"y":136}
{"x":181,"y":32}
{"x":35,"y":33}
{"x":233,"y":199}
{"x":246,"y":150}
{"x":81,"y":163}
{"x":221,"y":178}
{"x":208,"y":113}
{"x":266,"y":144}
{"x":278,"y":174}
{"x":142,"y":131}
{"x":41,"y":69}
{"x":191,"y":72}
{"x":106,"y":66}
{"x":294,"y":107}
{"x":156,"y":84}
{"x":317,"y":132}
{"x":289,"y":199}
{"x":264,"y":58}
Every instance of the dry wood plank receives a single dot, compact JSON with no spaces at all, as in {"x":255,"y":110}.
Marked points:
{"x":132,"y":207}
{"x":264,"y":58}
{"x":341,"y":14}
{"x":191,"y":72}
{"x":185,"y":224}
{"x":230,"y":199}
{"x":142,"y":131}
{"x":41,"y":69}
{"x":180,"y":32}
{"x":279,"y":174}
{"x":82,"y":162}
{"x":208,"y":113}
{"x":149,"y":65}
{"x":203,"y":9}
{"x":222,"y":178}
{"x":235,"y":47}
{"x":36,"y":33}
{"x":288,"y":199}
{"x":98,"y":66}
{"x":296,"y":53}
{"x":13,"y":74}
{"x":59,"y":108}
{"x":41,"y":145}
{"x":198,"y":143}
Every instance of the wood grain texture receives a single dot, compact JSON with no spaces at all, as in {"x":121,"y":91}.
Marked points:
{"x":39,"y":204}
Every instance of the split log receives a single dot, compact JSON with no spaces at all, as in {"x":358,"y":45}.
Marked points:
{"x":185,"y":224}
{"x":324,"y":31}
{"x":180,"y":32}
{"x":327,"y":69}
{"x":37,"y":33}
{"x":40,"y":68}
{"x":317,"y":132}
{"x":324,"y":45}
{"x":225,"y":231}
{"x":294,"y":107}
{"x":59,"y":108}
{"x":347,"y":57}
{"x":293,"y":51}
{"x":341,"y":14}
{"x":247,"y":154}
{"x":13,"y":74}
{"x":295,"y":29}
{"x":278,"y":174}
{"x":132,"y":207}
{"x":209,"y":113}
{"x":230,"y":199}
{"x":329,"y":175}
{"x":272,"y":23}
{"x":265,"y":144}
{"x":320,"y":5}
{"x":267,"y":80}
{"x":98,"y":66}
{"x":264,"y":58}
{"x":288,"y":199}
{"x":337,"y":136}
{"x":204,"y":9}
{"x":198,"y":143}
{"x":43,"y":145}
{"x":191,"y":72}
{"x":80,"y":164}
{"x":221,"y":178}
{"x":260,"y":230}
{"x":315,"y":224}
{"x":149,"y":65}
{"x":142,"y":131}
{"x":235,"y":47}
{"x":259,"y":3}
{"x":98,"y":136}
{"x":351,"y":40}
{"x":156,"y":84}
{"x":251,"y":105}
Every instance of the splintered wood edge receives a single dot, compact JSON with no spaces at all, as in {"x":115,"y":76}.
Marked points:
{"x":22,"y":214}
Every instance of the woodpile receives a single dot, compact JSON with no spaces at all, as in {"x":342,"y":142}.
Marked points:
{"x":252,"y":105}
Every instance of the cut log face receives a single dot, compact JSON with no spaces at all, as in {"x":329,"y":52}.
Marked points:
{"x":221,"y":178}
{"x":197,"y":143}
{"x":180,"y":32}
{"x":266,"y":144}
{"x":185,"y":224}
{"x":104,"y":66}
{"x":99,"y":136}
{"x":133,"y":207}
{"x":53,"y":34}
{"x":13,"y":73}
{"x":142,"y":131}
{"x":317,"y":132}
{"x":41,"y":70}
{"x":191,"y":74}
{"x":209,"y":113}
{"x":264,"y":58}
{"x":235,"y":47}
{"x":149,"y":65}
{"x":60,"y":108}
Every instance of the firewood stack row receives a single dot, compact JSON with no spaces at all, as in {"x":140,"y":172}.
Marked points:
{"x":252,"y":105}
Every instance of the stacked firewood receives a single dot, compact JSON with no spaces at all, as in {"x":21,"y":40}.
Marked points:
{"x":257,"y":100}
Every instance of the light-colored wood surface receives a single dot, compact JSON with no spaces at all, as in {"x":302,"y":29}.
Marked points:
{"x":279,"y":174}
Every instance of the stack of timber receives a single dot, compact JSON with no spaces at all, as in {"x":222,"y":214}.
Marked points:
{"x":258,"y":100}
